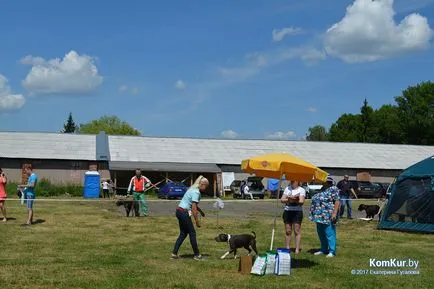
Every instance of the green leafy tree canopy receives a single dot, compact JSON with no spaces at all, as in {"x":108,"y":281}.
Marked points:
{"x":317,"y":133}
{"x":112,"y":125}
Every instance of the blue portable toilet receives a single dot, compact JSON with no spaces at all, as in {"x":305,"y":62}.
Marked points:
{"x":92,"y":181}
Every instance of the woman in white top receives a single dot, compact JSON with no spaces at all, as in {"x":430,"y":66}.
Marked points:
{"x":293,"y":198}
{"x":105,"y":189}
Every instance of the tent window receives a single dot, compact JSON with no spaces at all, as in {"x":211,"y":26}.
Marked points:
{"x":412,"y":202}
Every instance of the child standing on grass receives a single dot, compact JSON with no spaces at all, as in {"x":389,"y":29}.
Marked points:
{"x":3,"y":195}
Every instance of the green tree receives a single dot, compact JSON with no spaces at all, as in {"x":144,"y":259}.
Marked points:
{"x":110,"y":124}
{"x":317,"y":133}
{"x":416,"y":112}
{"x":69,"y":126}
{"x":389,"y":129}
{"x":347,"y":128}
{"x":369,"y":131}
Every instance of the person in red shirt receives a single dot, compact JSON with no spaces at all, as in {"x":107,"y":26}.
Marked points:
{"x":3,"y":195}
{"x":137,"y":188}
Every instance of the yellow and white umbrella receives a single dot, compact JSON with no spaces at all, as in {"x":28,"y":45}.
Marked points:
{"x":282,"y":165}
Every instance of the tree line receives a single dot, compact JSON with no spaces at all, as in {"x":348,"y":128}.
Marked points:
{"x":410,"y":120}
{"x":112,"y":125}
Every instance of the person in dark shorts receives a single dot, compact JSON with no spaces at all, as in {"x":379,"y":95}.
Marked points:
{"x":293,"y":197}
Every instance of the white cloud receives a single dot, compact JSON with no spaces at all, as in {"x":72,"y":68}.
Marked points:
{"x":180,"y":85}
{"x":9,"y":101}
{"x":128,"y":89}
{"x":281,"y":135}
{"x":74,"y":74}
{"x":368,"y":32}
{"x":255,"y":62}
{"x":229,"y":134}
{"x":123,"y":88}
{"x":312,"y":109}
{"x":32,"y":60}
{"x":279,"y":34}
{"x":311,"y":56}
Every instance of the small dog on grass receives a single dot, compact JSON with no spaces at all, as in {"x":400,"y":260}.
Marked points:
{"x":127,"y":203}
{"x":235,"y":242}
{"x":371,"y":210}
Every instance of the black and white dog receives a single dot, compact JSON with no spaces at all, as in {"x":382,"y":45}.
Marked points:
{"x":371,"y":210}
{"x":235,"y":242}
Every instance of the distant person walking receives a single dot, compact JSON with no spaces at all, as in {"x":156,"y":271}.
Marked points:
{"x":137,"y":188}
{"x":190,"y":202}
{"x":29,"y":191}
{"x":246,"y":191}
{"x":3,"y":195}
{"x":346,"y":190}
{"x":105,"y":189}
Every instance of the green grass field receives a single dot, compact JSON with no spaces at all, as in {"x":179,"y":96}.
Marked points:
{"x":88,"y":245}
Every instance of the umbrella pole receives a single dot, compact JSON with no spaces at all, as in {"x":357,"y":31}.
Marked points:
{"x":276,"y":212}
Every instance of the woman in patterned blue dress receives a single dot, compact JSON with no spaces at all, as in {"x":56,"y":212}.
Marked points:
{"x":323,"y":211}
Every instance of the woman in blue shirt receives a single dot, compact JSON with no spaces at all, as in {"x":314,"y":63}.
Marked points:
{"x":189,"y":203}
{"x":323,"y":211}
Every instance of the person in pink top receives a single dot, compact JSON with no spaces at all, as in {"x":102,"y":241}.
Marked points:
{"x":3,"y":195}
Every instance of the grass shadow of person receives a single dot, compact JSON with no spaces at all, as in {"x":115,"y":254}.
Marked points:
{"x":36,"y":222}
{"x":302,"y":263}
{"x":313,"y":251}
{"x":190,"y":256}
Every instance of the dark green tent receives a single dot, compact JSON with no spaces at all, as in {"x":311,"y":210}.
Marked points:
{"x":411,"y":203}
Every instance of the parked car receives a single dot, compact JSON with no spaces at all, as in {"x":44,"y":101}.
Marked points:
{"x":382,"y":190}
{"x":311,"y":188}
{"x":368,"y":189}
{"x":273,"y":194}
{"x":235,"y":186}
{"x":256,"y":187}
{"x":172,"y":190}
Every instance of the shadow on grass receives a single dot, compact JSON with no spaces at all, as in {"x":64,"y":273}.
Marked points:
{"x":312,"y":251}
{"x":190,"y":256}
{"x":36,"y":222}
{"x":302,"y":263}
{"x":11,"y":219}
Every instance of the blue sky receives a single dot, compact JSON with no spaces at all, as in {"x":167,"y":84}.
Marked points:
{"x":246,"y":69}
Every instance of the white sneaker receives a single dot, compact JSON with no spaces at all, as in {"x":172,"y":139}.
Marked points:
{"x":330,"y":255}
{"x":198,"y":257}
{"x":318,"y":253}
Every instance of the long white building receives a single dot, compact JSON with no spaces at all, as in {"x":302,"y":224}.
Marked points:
{"x":65,"y":157}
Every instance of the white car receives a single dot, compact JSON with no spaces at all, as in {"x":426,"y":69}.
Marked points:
{"x":312,"y":188}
